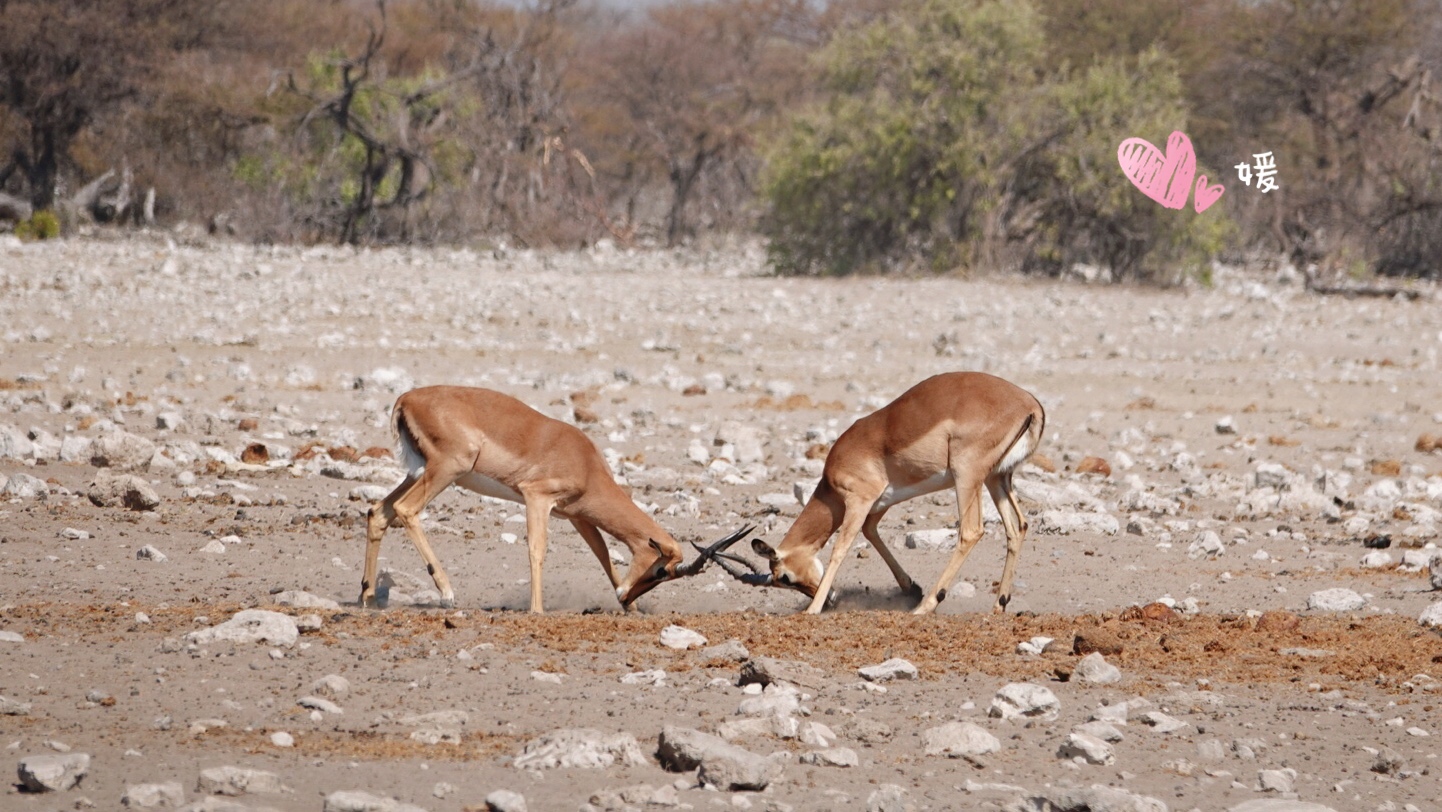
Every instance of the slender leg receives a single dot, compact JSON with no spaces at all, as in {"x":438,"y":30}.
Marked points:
{"x":868,"y":529}
{"x":407,"y":513}
{"x":377,"y":522}
{"x":1004,"y":495}
{"x":538,"y":510}
{"x":597,"y":544}
{"x":968,"y":503}
{"x":851,"y":521}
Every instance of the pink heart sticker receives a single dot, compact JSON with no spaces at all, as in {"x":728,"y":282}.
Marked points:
{"x":1205,"y":196}
{"x":1164,"y":177}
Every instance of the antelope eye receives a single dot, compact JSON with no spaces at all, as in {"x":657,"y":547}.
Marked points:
{"x":660,"y":571}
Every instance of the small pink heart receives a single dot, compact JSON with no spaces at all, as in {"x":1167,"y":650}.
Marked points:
{"x":1164,"y":177}
{"x":1205,"y":196}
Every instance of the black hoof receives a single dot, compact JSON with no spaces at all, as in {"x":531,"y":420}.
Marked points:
{"x":914,"y":591}
{"x":940,"y":595}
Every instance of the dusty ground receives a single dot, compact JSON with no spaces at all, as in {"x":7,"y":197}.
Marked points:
{"x":207,"y":349}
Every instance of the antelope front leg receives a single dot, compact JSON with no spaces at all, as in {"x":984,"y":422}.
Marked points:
{"x":846,"y":537}
{"x":538,"y":510}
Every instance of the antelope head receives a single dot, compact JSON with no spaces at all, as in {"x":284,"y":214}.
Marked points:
{"x":800,"y":572}
{"x":666,"y":568}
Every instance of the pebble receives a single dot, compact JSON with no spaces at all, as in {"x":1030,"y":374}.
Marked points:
{"x":229,"y":780}
{"x":74,"y":535}
{"x":150,"y":553}
{"x":332,"y":686}
{"x":1089,"y":748}
{"x":718,"y":763}
{"x":931,"y":539}
{"x":895,"y":668}
{"x":53,"y":773}
{"x":250,"y":626}
{"x":150,"y":796}
{"x":579,"y":747}
{"x":831,"y":757}
{"x":1338,"y":599}
{"x":11,"y":637}
{"x":681,"y":638}
{"x":317,"y":703}
{"x":504,"y":800}
{"x":282,"y":739}
{"x":353,"y":801}
{"x":959,"y":740}
{"x":304,"y":600}
{"x":1024,"y":700}
{"x":1034,"y":646}
{"x":1094,"y":669}
{"x":1432,"y":616}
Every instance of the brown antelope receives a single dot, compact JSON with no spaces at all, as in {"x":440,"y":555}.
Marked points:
{"x":495,"y":445}
{"x":957,"y":430}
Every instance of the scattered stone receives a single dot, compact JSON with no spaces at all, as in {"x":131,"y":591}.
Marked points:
{"x":1090,"y":749}
{"x":1432,"y":616}
{"x":503,"y":800}
{"x":250,"y":626}
{"x":1225,"y":426}
{"x":152,"y":796}
{"x":631,"y":799}
{"x":1096,"y":798}
{"x":150,"y":553}
{"x":1278,"y":805}
{"x":53,"y":773}
{"x":959,"y":740}
{"x":1278,"y":781}
{"x":732,"y":650}
{"x":942,"y":539}
{"x":681,"y":638}
{"x":12,"y":707}
{"x":832,"y":757}
{"x":748,"y":442}
{"x":1095,"y":669}
{"x":317,"y":703}
{"x":816,"y":734}
{"x":895,"y":668}
{"x":1034,"y":646}
{"x":352,"y":801}
{"x":721,"y":764}
{"x":765,"y":670}
{"x":776,"y":700}
{"x":1338,"y":599}
{"x":72,"y":534}
{"x":368,"y":494}
{"x":1206,"y":545}
{"x":655,"y":676}
{"x":579,"y":747}
{"x":23,"y":486}
{"x":234,"y":781}
{"x":889,"y":798}
{"x":1277,"y":620}
{"x":121,"y":450}
{"x":1024,"y":700}
{"x":280,"y":738}
{"x":1389,"y":762}
{"x":1067,"y":523}
{"x":1094,"y":465}
{"x":332,"y":686}
{"x":1100,"y":730}
{"x":1376,"y":560}
{"x":1434,"y":571}
{"x":11,"y":637}
{"x":1098,"y":640}
{"x":304,"y":600}
{"x":870,"y":731}
{"x":122,"y":490}
{"x":1161,"y":722}
{"x":214,"y":547}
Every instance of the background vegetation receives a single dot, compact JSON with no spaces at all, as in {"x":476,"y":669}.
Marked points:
{"x":856,"y":135}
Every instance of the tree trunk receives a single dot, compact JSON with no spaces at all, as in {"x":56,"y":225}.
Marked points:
{"x":43,"y":170}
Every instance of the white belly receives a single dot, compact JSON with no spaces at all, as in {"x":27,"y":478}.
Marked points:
{"x":894,"y":495}
{"x":486,"y":486}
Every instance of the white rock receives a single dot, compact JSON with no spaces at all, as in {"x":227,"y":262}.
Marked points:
{"x":579,"y":747}
{"x":53,"y":772}
{"x":320,"y":704}
{"x":655,"y":676}
{"x":24,"y":486}
{"x":368,"y":493}
{"x":681,"y":638}
{"x":1095,"y":669}
{"x":697,"y":452}
{"x":232,"y":781}
{"x":803,"y":490}
{"x":214,"y":547}
{"x":121,"y":450}
{"x":895,"y":668}
{"x":1338,"y":599}
{"x":831,"y":757}
{"x":777,"y":500}
{"x":959,"y":740}
{"x":1089,"y":748}
{"x":1066,"y":523}
{"x":747,"y":441}
{"x":150,"y":553}
{"x":1206,"y":545}
{"x":11,"y":637}
{"x":280,"y":738}
{"x":304,"y":600}
{"x":1024,"y":700}
{"x":816,"y":734}
{"x":1278,"y":805}
{"x":332,"y":686}
{"x":1376,"y":560}
{"x":888,"y":798}
{"x":1271,"y":475}
{"x":1279,"y":781}
{"x":1225,"y":426}
{"x":152,"y":796}
{"x":1100,"y":730}
{"x":503,"y":800}
{"x":1034,"y":646}
{"x":250,"y":626}
{"x":941,"y":539}
{"x":1161,"y":722}
{"x":1432,"y":616}
{"x":353,"y":801}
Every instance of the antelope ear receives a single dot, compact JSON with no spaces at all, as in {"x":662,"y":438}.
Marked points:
{"x":760,"y":548}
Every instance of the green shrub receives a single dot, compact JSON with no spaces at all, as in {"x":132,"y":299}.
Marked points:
{"x":42,"y":225}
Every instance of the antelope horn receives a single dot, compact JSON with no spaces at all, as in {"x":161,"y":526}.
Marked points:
{"x":705,"y":554}
{"x":755,"y":577}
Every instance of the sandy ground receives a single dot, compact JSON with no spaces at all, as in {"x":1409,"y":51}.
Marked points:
{"x":1256,"y":436}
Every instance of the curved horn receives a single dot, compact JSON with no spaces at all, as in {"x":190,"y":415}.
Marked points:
{"x":705,"y":554}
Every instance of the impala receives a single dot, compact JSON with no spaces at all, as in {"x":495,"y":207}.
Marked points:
{"x":961,"y":430}
{"x":495,"y":445}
